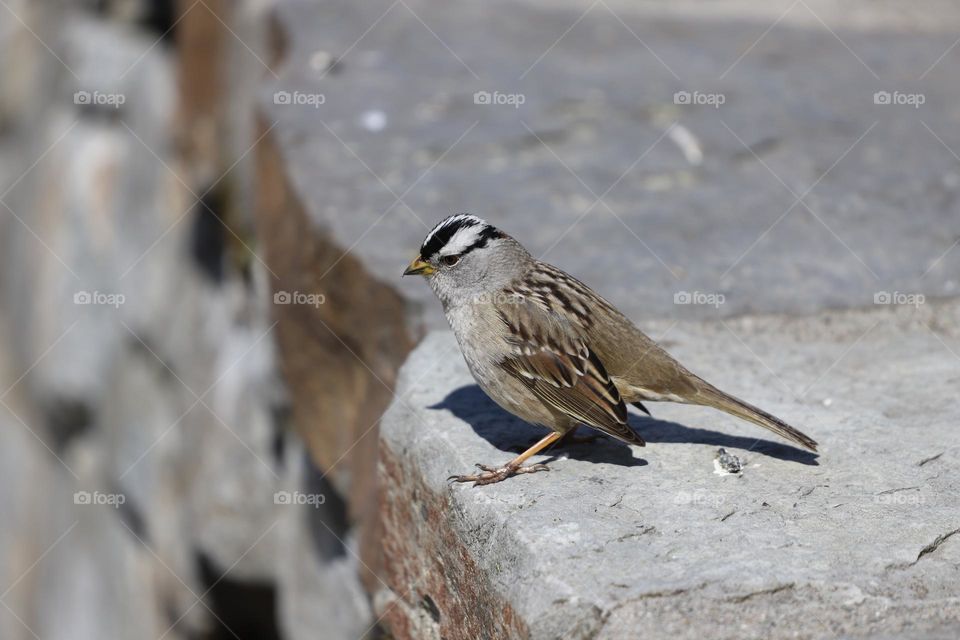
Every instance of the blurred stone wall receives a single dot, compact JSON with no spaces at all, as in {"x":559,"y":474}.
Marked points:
{"x":152,"y":485}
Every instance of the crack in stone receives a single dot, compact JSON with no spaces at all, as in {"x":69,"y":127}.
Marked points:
{"x":927,"y":550}
{"x":763,"y":592}
{"x":605,"y":617}
{"x":637,"y":534}
{"x":933,"y":546}
{"x":898,"y":490}
{"x":930,"y":459}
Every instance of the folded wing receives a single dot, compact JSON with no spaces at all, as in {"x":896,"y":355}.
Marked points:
{"x":558,"y":366}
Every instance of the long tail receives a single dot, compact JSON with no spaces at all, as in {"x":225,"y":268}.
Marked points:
{"x":710,"y":396}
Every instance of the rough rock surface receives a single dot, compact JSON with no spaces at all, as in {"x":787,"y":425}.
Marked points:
{"x":618,"y":542}
{"x":796,"y":187}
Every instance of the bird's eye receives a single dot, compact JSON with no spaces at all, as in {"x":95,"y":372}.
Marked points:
{"x":450,"y":260}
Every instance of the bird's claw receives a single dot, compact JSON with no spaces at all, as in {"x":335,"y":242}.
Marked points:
{"x":491,"y":475}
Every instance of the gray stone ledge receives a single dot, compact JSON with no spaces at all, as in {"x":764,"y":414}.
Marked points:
{"x":615,"y":541}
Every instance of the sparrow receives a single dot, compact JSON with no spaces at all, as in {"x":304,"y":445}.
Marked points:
{"x":550,"y":350}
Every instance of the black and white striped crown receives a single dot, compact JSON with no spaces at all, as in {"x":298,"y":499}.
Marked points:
{"x":457,"y":235}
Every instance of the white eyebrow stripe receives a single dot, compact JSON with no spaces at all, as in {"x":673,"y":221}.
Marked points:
{"x":452,"y":220}
{"x":462,"y":240}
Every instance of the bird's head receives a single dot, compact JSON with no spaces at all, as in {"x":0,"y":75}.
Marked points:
{"x":464,"y":257}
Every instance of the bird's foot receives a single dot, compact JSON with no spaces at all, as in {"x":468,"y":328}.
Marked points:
{"x":491,"y":475}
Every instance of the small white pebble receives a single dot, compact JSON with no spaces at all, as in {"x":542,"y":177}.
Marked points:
{"x":827,"y":402}
{"x":688,"y":144}
{"x":321,"y":61}
{"x":373,"y":120}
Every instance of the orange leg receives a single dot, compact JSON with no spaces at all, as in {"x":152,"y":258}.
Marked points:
{"x":492,"y":474}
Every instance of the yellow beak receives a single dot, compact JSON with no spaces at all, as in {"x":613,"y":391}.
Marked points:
{"x":418,"y":268}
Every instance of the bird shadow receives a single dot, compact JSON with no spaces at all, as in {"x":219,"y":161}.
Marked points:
{"x":509,"y":433}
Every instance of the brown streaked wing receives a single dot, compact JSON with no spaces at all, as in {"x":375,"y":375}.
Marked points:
{"x":558,"y":367}
{"x":628,"y":354}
